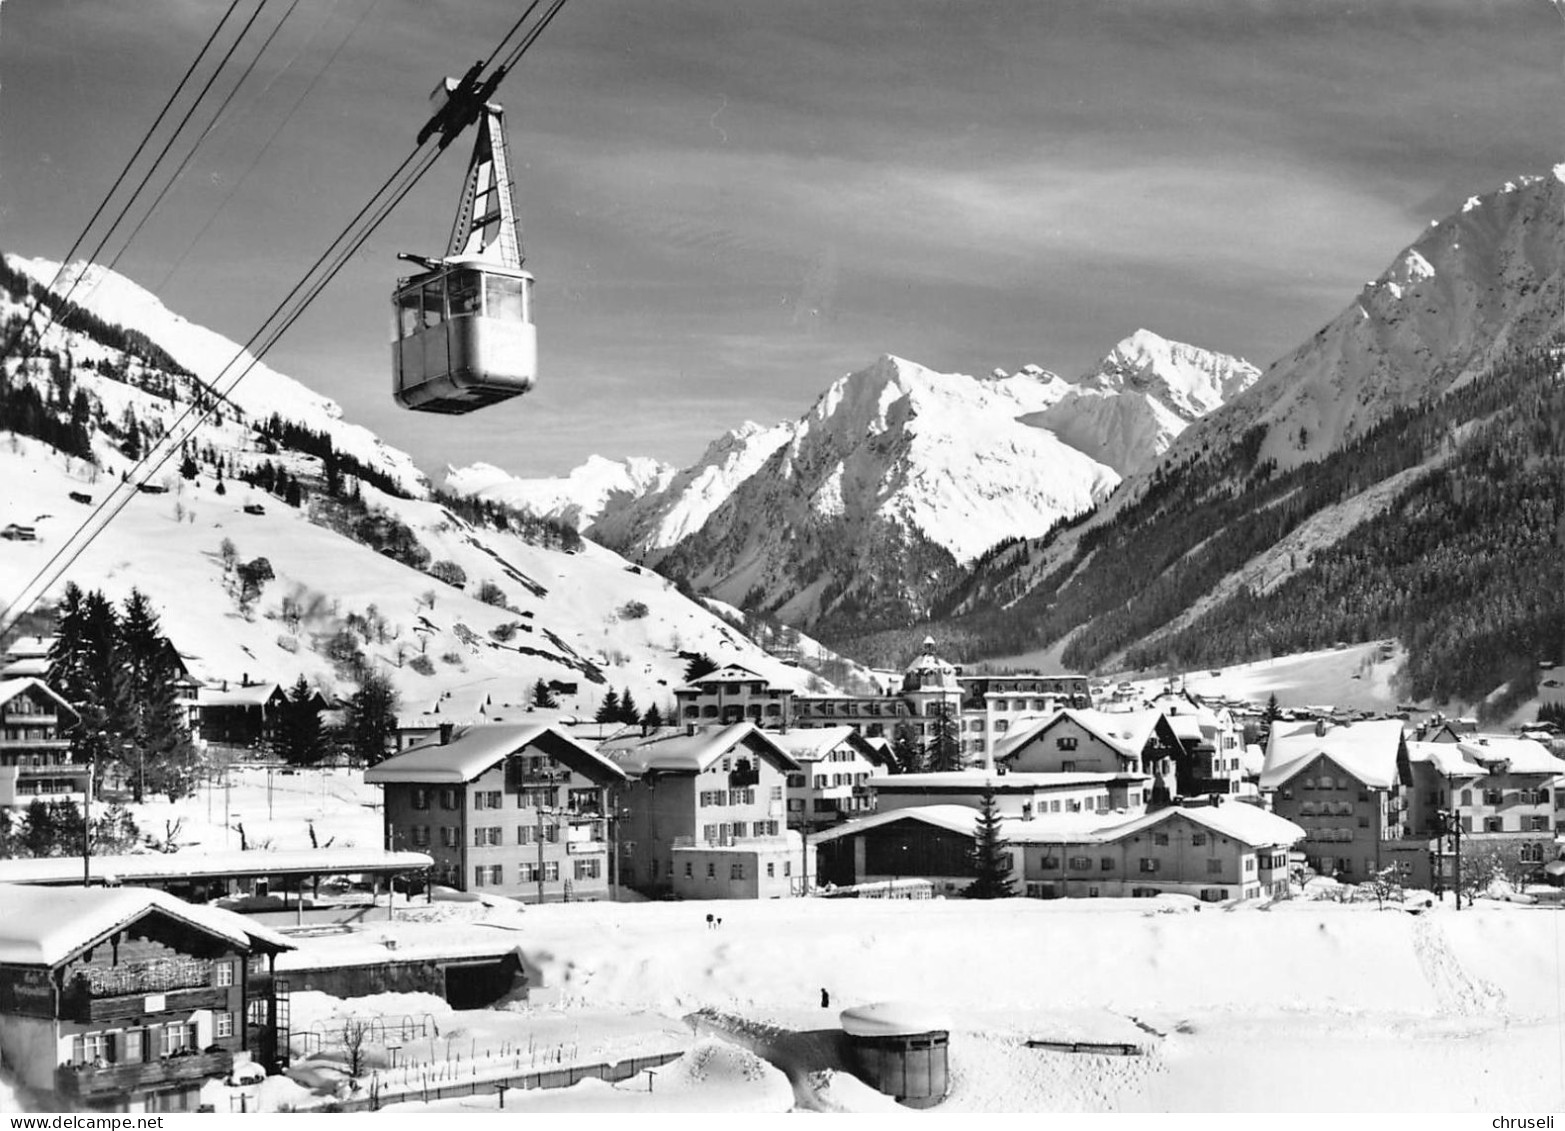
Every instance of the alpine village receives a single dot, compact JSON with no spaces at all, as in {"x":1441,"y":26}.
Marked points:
{"x":996,"y":742}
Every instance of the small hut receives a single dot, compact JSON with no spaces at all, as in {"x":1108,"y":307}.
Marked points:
{"x":900,"y":1049}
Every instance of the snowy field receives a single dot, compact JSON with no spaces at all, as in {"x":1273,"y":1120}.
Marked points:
{"x":1305,"y":1006}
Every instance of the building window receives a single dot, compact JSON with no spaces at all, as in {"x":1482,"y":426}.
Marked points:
{"x":551,"y":871}
{"x":1197,"y":839}
{"x":1150,"y":865}
{"x":736,"y":871}
{"x":526,"y":834}
{"x":448,"y":836}
{"x":223,"y":1025}
{"x":1160,"y":839}
{"x":739,"y":829}
{"x":1081,"y":863}
{"x":1067,"y":767}
{"x":420,"y":836}
{"x":177,"y":1037}
{"x":1540,"y":824}
{"x":1065,"y":743}
{"x":224,"y":974}
{"x":771,"y":869}
{"x":133,"y":1053}
{"x":1106,"y":864}
{"x":1494,"y":824}
{"x":689,"y":869}
{"x":711,"y":870}
{"x":420,"y":797}
{"x":588,"y":869}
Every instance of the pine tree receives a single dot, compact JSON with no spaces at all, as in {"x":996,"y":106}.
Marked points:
{"x":372,"y":717}
{"x":699,"y":665}
{"x":990,"y":857}
{"x":943,"y":752}
{"x":628,"y":711}
{"x":298,"y":739}
{"x":653,"y":718}
{"x":542,"y":696}
{"x":608,"y":710}
{"x":1268,"y":717}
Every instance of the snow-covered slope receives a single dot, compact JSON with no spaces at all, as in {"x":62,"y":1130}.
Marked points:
{"x":587,"y":618}
{"x":661,"y":518}
{"x":894,"y":476}
{"x":596,"y":488}
{"x":216,"y":359}
{"x":1475,"y":284}
{"x":1130,"y":408}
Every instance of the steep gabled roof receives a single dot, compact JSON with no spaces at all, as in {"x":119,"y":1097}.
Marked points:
{"x":812,"y":744}
{"x":1126,"y":732}
{"x":11,"y":688}
{"x":1249,"y":824}
{"x":1446,"y":758}
{"x":1368,"y":751}
{"x":475,"y":750}
{"x":674,"y":751}
{"x":45,"y":926}
{"x":953,"y":818}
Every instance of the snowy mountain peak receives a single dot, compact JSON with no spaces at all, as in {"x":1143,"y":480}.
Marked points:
{"x":1187,"y":379}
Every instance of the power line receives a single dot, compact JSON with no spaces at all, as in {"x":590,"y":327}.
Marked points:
{"x":347,"y":244}
{"x":212,"y":78}
{"x":140,"y":146}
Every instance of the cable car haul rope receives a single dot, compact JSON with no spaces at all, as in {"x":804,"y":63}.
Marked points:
{"x":464,"y":332}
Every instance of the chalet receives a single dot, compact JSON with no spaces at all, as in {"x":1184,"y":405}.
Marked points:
{"x":832,"y":784}
{"x":519,"y":810}
{"x":237,"y":716}
{"x":1211,"y":741}
{"x":1215,"y":852}
{"x":1345,"y":786}
{"x":995,"y":705}
{"x":35,"y":750}
{"x":703,"y":816}
{"x":127,"y":999}
{"x":1132,"y":743}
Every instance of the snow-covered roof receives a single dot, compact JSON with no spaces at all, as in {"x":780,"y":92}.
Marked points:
{"x":728,"y":673}
{"x":1248,"y":824}
{"x":672,"y":750}
{"x":11,"y":688}
{"x":978,"y":780}
{"x":953,"y":818}
{"x":1368,"y":751}
{"x":255,"y":695}
{"x":30,"y":647}
{"x":45,"y":926}
{"x":1446,"y":758}
{"x":812,"y":744}
{"x":893,"y":1019}
{"x":152,"y":867}
{"x":1127,"y":732}
{"x":1521,"y":755}
{"x":476,"y":749}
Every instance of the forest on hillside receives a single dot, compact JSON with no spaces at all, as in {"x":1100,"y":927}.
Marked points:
{"x":1464,"y":567}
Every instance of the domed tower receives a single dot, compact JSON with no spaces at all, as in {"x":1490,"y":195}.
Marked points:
{"x":933,"y":693}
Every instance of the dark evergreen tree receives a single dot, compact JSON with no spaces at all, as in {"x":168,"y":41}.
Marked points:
{"x":991,"y":858}
{"x":608,"y":710}
{"x":907,"y":752}
{"x":297,"y":738}
{"x":542,"y":696}
{"x":628,"y":711}
{"x":372,"y":718}
{"x":943,"y":752}
{"x":652,"y":718}
{"x":699,"y":665}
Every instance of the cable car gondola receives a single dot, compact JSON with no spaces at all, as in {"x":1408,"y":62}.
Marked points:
{"x":463,"y":334}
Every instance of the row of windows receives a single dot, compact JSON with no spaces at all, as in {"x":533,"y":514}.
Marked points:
{"x":1498,"y":796}
{"x":734,"y":796}
{"x":487,"y":836}
{"x":493,"y":875}
{"x":738,"y":830}
{"x":736,"y":870}
{"x":532,"y":797}
{"x":129,"y":1046}
{"x":1147,"y":865}
{"x":1329,"y":809}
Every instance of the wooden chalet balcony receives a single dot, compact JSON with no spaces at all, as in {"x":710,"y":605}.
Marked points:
{"x":24,"y":719}
{"x":88,"y":1082}
{"x":78,"y":1005}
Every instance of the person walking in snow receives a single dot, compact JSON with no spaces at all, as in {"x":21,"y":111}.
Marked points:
{"x":825,"y":999}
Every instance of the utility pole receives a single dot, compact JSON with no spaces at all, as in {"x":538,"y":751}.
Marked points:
{"x":87,"y":830}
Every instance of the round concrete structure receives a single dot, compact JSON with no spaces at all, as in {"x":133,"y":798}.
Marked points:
{"x":900,"y":1049}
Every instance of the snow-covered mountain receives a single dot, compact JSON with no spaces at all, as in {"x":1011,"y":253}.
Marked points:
{"x":895,"y":476}
{"x":394,"y":569}
{"x":1127,"y":410}
{"x":598,"y":487}
{"x":1476,"y":283}
{"x":215,"y":358}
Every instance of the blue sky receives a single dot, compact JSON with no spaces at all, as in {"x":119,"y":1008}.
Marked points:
{"x":728,"y":205}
